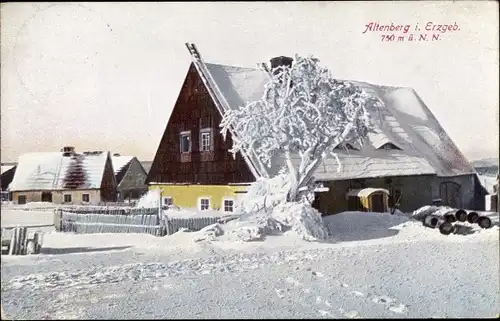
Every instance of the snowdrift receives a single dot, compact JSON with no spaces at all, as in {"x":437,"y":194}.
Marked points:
{"x":149,"y":200}
{"x":263,"y":211}
{"x":298,"y":218}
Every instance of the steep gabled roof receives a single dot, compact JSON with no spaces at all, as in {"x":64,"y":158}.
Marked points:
{"x":53,"y":171}
{"x":423,"y":147}
{"x":120,"y":165}
{"x":6,"y":168}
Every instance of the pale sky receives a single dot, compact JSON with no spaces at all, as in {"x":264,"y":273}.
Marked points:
{"x":105,"y":76}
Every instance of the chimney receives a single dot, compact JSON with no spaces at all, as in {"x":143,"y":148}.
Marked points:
{"x":281,"y":61}
{"x":68,"y":150}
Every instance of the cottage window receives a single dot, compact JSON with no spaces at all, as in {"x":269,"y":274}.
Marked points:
{"x":228,"y":205}
{"x":185,"y":142}
{"x":389,"y":146}
{"x":206,"y":139}
{"x":204,"y":204}
{"x":21,"y":199}
{"x":67,"y":198}
{"x":346,"y":146}
{"x":168,"y":201}
{"x":85,"y":198}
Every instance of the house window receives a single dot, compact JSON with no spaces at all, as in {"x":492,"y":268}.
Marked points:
{"x":67,"y":198}
{"x":346,"y":146}
{"x":389,"y":146}
{"x":85,"y":198}
{"x":206,"y":139}
{"x":21,"y":199}
{"x":228,"y":205}
{"x":185,"y":142}
{"x":168,"y":201}
{"x":204,"y":204}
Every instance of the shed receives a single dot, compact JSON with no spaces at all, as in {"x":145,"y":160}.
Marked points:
{"x":368,"y":200}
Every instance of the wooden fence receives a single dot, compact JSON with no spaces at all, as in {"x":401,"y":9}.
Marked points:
{"x":19,"y":241}
{"x":86,"y":220}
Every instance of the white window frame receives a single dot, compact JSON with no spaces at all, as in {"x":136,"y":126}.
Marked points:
{"x":224,"y":204}
{"x":202,"y":199}
{"x":70,"y":198}
{"x":164,"y":203}
{"x":203,"y":132}
{"x":184,"y":134}
{"x":82,"y":197}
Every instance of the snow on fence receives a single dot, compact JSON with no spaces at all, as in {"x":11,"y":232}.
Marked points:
{"x":121,"y":204}
{"x":85,"y":220}
{"x":192,"y":224}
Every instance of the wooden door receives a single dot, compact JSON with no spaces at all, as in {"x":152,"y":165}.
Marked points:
{"x":450,"y":194}
{"x":377,"y":203}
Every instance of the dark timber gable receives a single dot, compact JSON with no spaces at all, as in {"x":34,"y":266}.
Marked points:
{"x":196,"y":113}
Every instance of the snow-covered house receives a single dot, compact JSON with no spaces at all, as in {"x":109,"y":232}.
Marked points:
{"x":130,"y":177}
{"x":409,"y":154}
{"x":8,"y":170}
{"x":64,"y":177}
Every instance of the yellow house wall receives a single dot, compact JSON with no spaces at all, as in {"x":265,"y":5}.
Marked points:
{"x":187,"y":196}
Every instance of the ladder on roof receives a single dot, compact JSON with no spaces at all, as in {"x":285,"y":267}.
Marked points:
{"x":56,"y":174}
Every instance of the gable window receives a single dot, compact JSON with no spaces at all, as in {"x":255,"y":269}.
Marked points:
{"x":389,"y":146}
{"x":185,"y":142}
{"x":206,"y":139}
{"x":204,"y":203}
{"x":168,"y":201}
{"x":228,"y":205}
{"x":85,"y":198}
{"x":67,"y":198}
{"x":21,"y":199}
{"x":347,"y":146}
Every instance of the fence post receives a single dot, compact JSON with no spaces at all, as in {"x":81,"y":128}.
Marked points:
{"x":12,"y":242}
{"x":58,"y":219}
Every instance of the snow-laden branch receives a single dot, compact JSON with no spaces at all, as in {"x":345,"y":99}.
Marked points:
{"x":303,"y":114}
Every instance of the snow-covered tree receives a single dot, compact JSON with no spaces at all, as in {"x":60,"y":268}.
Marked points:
{"x":304,"y":111}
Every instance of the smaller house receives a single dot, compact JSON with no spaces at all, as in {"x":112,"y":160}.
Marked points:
{"x":8,"y":170}
{"x":130,"y":177}
{"x":64,"y":177}
{"x":146,"y":165}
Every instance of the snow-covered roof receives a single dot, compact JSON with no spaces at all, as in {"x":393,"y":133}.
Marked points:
{"x":7,"y":167}
{"x":417,"y":144}
{"x":120,"y":165}
{"x":53,"y":171}
{"x":365,"y":192}
{"x":119,"y":162}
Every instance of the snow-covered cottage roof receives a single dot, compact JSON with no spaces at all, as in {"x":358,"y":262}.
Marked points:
{"x":53,"y":171}
{"x":7,"y":167}
{"x":120,"y":165}
{"x":408,"y":139}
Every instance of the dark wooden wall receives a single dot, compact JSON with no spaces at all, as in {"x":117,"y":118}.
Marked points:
{"x":108,"y":185}
{"x":194,"y":110}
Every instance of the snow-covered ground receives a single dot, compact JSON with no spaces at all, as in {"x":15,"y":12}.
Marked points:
{"x":374,"y":265}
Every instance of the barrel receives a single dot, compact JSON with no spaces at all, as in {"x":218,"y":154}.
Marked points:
{"x":431,"y":221}
{"x":450,"y":218}
{"x":472,"y":217}
{"x":461,"y":215}
{"x":484,"y":222}
{"x":445,"y":228}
